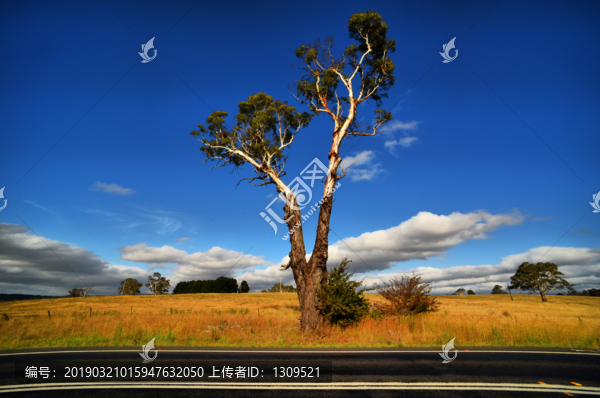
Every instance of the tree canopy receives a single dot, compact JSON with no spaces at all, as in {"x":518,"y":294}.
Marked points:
{"x":157,"y":284}
{"x":222,"y":284}
{"x":498,"y":290}
{"x":542,"y":277}
{"x":264,"y":128}
{"x":129,"y":286}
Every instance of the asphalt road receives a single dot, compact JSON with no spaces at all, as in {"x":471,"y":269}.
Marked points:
{"x":479,"y":372}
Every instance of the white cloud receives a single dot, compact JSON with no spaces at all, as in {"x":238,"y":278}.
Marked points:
{"x":111,"y":188}
{"x":581,"y":267}
{"x":183,"y":239}
{"x":397,"y":125}
{"x":368,"y":170}
{"x":403,"y":142}
{"x":421,"y":237}
{"x":44,"y":266}
{"x":29,"y":265}
{"x":211,"y":264}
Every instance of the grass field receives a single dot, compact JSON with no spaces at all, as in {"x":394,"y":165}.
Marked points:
{"x":269,"y":320}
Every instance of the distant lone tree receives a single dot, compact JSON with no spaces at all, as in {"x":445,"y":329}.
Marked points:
{"x":498,"y":290}
{"x":470,"y":292}
{"x":86,"y":290}
{"x":244,"y":287}
{"x":334,"y":86}
{"x":407,"y":296}
{"x":80,"y":292}
{"x":130,"y":286}
{"x":157,"y":284}
{"x":460,"y":292}
{"x":542,"y":277}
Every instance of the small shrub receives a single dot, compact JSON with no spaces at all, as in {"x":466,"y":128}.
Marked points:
{"x":341,"y":303}
{"x":407,"y":296}
{"x":506,"y":313}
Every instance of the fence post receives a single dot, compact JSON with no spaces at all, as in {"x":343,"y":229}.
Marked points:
{"x":131,"y":312}
{"x":90,"y":311}
{"x":48,"y":314}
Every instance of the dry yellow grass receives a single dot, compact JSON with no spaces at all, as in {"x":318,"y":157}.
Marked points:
{"x":269,"y":320}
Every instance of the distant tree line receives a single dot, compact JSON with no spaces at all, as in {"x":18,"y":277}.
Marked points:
{"x":461,"y":292}
{"x":280,"y":287}
{"x":591,"y":292}
{"x":156,"y":283}
{"x":220,"y":285}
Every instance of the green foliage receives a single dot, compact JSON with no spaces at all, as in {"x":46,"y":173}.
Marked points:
{"x":375,"y":69}
{"x":591,"y":292}
{"x":157,"y":284}
{"x":264,"y":128}
{"x":341,"y":303}
{"x":407,"y":296}
{"x":244,"y":287}
{"x":369,"y":25}
{"x":460,"y":292}
{"x":470,"y":292}
{"x":542,"y":277}
{"x":498,"y":290}
{"x":129,"y":286}
{"x":220,"y":285}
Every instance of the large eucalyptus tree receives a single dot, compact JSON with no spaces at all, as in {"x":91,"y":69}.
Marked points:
{"x":265,"y":128}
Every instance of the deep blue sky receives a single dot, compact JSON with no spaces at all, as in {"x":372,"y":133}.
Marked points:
{"x":508,"y":128}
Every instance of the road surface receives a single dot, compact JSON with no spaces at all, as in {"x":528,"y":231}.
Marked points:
{"x":477,"y":372}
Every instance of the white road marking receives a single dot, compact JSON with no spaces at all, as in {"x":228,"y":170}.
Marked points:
{"x":166,"y":350}
{"x":308,"y":386}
